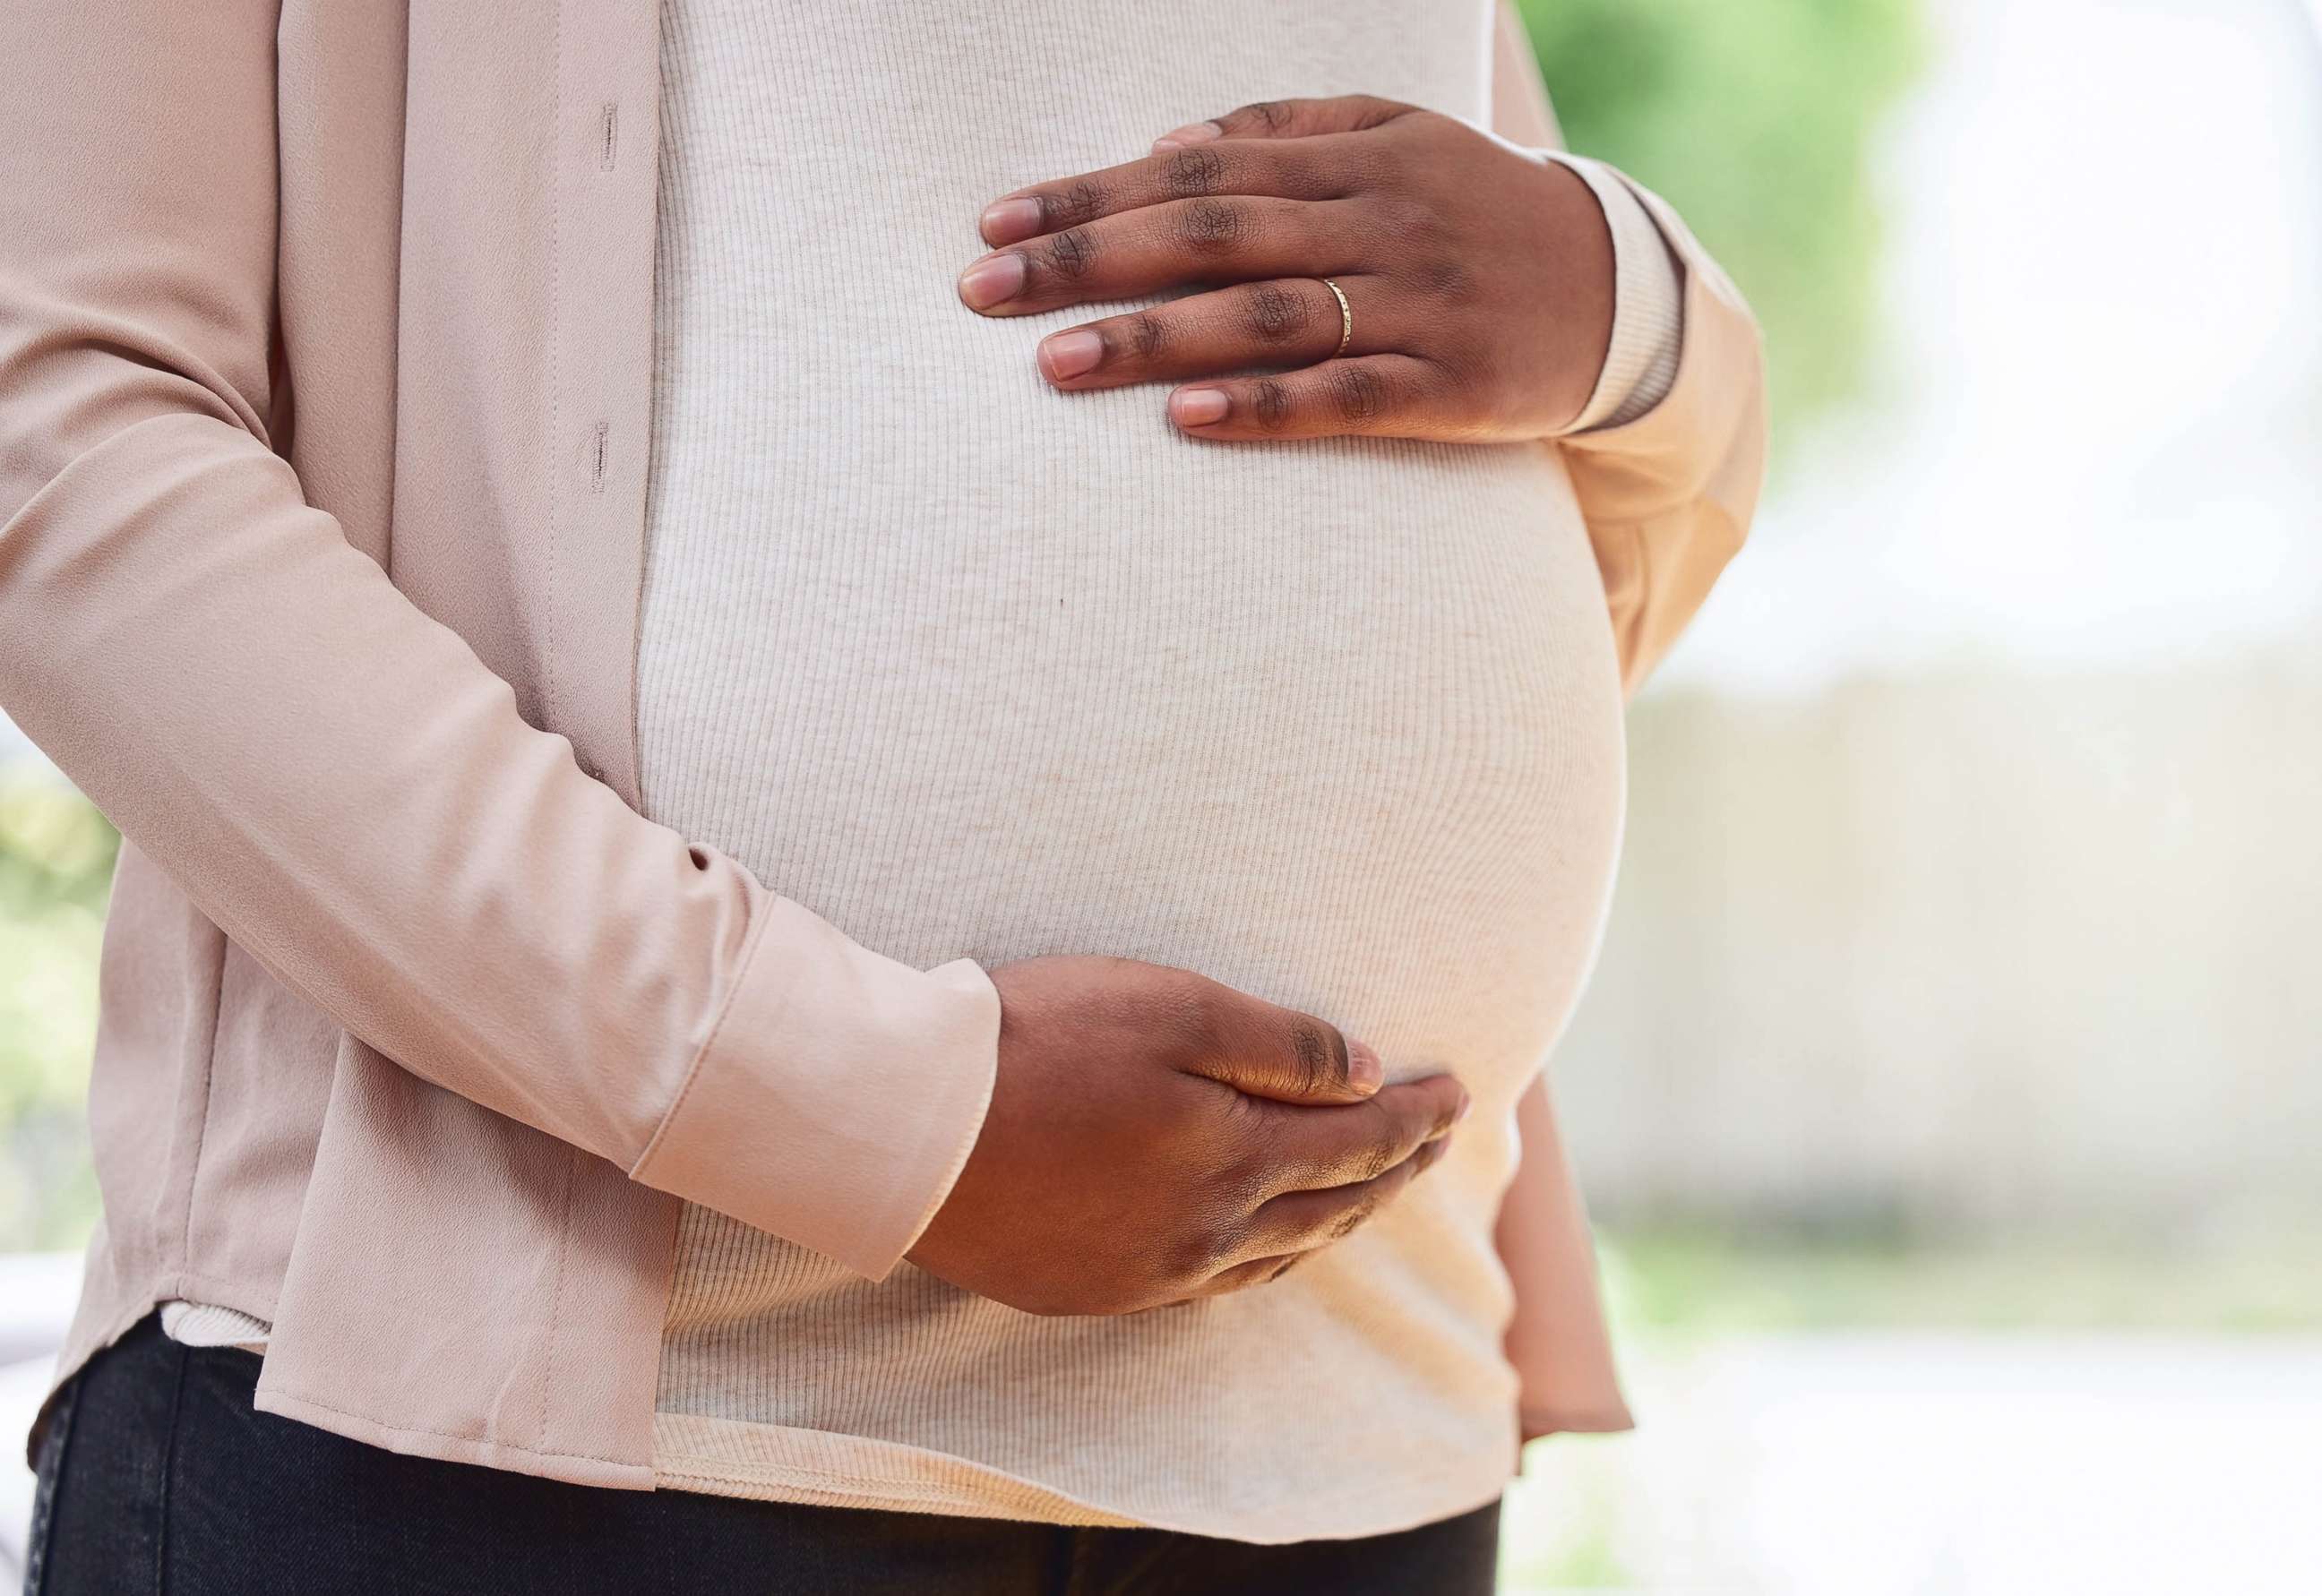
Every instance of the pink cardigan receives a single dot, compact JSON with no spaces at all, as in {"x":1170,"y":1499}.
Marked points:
{"x":324,"y":354}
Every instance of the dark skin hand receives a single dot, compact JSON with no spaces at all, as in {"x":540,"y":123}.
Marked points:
{"x":1155,"y":1136}
{"x":1479,"y":277}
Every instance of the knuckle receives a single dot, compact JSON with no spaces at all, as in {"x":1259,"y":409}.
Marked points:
{"x":1383,"y":167}
{"x":1445,"y":1117}
{"x":1270,"y":404}
{"x":1273,"y":115}
{"x":1184,"y":1016}
{"x":1413,"y":221}
{"x":1071,"y":205}
{"x":1253,"y":1158}
{"x":1358,"y":394}
{"x":1313,"y":1056}
{"x":1072,"y":254}
{"x":1295,"y":175}
{"x":1197,"y":1254}
{"x":1352,"y":1220}
{"x":1272,"y":314}
{"x":1467,"y":389}
{"x":1376,"y":1159}
{"x":1234,"y":1123}
{"x":1146,"y":335}
{"x":1193,"y":169}
{"x":1252,"y":1142}
{"x":1449,"y":281}
{"x":1483,"y":411}
{"x":1168,"y":1011}
{"x":1212,"y":226}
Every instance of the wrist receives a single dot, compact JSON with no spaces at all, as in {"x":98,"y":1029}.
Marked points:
{"x":1583,"y":269}
{"x":1643,"y":329}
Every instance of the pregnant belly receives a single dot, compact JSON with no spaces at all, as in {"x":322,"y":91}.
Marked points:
{"x":1336,"y":724}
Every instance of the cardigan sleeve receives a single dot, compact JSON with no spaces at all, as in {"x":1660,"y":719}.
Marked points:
{"x":1668,"y":491}
{"x":1648,"y":332}
{"x":1669,"y":496}
{"x":334,"y":778}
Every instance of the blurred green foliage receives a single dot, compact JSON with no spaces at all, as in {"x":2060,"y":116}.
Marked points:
{"x":56,"y":866}
{"x":1756,"y":122}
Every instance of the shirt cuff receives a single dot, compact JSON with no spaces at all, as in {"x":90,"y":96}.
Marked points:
{"x":839,"y":1096}
{"x":1648,"y":304}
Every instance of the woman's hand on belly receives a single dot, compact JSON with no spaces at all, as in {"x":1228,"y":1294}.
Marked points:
{"x":1155,"y":1136}
{"x":1477,"y":277}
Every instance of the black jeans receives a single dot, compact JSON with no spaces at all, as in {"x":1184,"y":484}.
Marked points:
{"x":157,"y":1475}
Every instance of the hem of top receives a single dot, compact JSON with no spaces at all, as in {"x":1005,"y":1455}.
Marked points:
{"x":709,"y":1477}
{"x":575,"y":1468}
{"x":194,"y":1307}
{"x":676,"y":1467}
{"x":1545,"y":1422}
{"x":80,"y":1346}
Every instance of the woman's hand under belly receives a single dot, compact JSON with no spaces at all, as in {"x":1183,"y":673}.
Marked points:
{"x":1155,"y":1136}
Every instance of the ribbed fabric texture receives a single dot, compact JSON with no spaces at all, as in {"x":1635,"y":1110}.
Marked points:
{"x":976,"y":668}
{"x":1648,"y":301}
{"x":206,"y":1323}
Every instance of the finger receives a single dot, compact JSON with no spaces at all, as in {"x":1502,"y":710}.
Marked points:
{"x":1279,"y":321}
{"x":1302,"y":1221}
{"x":1264,"y":1050}
{"x":1241,"y":1277}
{"x":1258,"y":1272}
{"x":1311,"y":1149}
{"x":1219,"y":238}
{"x":1289,"y":119}
{"x":1323,"y":172}
{"x":1380,"y":396}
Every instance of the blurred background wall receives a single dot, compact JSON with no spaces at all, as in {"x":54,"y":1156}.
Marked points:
{"x":1947,"y":1093}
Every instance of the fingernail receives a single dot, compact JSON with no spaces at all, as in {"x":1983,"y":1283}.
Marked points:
{"x":1068,"y":354}
{"x":1197,"y":407}
{"x":992,"y":281}
{"x":1010,"y":221}
{"x":1192,"y":132}
{"x":1467,"y":1104}
{"x":1364,"y":1072}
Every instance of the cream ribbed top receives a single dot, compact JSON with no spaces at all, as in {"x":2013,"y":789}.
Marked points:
{"x":973,"y":667}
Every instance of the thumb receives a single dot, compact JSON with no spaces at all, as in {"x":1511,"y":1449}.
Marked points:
{"x":1271,"y":1051}
{"x":1288,"y":119}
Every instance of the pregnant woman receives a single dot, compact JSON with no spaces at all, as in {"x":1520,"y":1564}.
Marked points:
{"x":863,"y":756}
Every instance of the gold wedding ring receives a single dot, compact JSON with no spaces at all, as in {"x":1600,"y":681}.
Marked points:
{"x":1346,"y":319}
